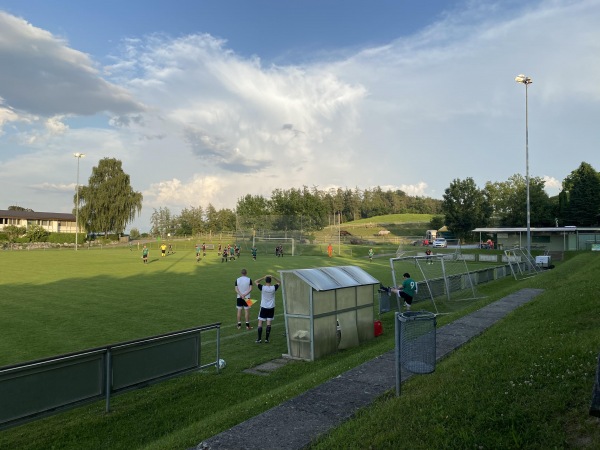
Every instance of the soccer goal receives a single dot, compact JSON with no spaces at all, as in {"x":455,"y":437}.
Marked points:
{"x":522,"y":264}
{"x":269,"y":246}
{"x":439,"y":276}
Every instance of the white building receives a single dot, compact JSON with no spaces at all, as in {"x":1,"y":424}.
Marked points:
{"x":49,"y":221}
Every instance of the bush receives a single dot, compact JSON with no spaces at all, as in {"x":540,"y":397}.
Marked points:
{"x":37,"y":234}
{"x":65,"y":238}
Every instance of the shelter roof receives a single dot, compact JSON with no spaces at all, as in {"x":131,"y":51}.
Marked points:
{"x":328,"y":278}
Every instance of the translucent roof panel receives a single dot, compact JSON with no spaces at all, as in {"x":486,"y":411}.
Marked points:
{"x":327,"y":278}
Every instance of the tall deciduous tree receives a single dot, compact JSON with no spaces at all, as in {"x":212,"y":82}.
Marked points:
{"x":108,"y":203}
{"x":581,"y":192}
{"x":508,"y":200}
{"x":466,"y":207}
{"x":190,"y":221}
{"x":162,"y":222}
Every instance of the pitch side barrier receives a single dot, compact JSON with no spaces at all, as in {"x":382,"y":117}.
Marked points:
{"x":43,"y":387}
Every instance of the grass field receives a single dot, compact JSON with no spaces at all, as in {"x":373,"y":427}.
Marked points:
{"x":59,"y":301}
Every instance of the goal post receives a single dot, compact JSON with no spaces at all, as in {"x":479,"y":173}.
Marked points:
{"x":440,"y":277}
{"x":268,"y":246}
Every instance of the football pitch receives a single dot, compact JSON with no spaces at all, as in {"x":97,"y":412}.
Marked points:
{"x":59,"y":301}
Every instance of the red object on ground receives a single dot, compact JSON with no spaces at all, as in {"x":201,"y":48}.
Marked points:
{"x":378,"y":328}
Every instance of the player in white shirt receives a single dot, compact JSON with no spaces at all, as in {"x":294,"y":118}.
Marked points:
{"x":267,"y":305}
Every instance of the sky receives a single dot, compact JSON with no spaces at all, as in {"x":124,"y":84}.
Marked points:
{"x":206,"y":101}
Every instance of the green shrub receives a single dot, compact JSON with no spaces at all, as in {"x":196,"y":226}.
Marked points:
{"x":37,"y":234}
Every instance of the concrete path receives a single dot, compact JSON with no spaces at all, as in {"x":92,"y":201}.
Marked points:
{"x":295,"y":423}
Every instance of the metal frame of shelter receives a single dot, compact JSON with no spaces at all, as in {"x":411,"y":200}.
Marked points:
{"x":326,"y":309}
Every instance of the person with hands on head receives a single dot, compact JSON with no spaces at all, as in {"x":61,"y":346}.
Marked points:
{"x":267,"y":305}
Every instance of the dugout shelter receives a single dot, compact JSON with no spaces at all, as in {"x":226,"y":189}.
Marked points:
{"x":327,"y":309}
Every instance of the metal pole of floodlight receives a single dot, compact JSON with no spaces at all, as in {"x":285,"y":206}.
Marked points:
{"x":78,"y":156}
{"x":526,"y":81}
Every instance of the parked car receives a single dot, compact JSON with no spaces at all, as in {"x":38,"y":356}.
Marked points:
{"x":440,"y":242}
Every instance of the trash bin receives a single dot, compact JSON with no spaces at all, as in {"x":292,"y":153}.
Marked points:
{"x":416,"y":341}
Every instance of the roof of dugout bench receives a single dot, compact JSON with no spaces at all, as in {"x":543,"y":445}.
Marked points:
{"x":328,"y":278}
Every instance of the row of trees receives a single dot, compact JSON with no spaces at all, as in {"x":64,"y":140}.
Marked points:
{"x":503,"y":204}
{"x":292,"y":209}
{"x":108,"y":203}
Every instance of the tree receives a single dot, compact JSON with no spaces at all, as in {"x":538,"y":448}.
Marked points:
{"x":581,"y":193}
{"x":162,"y":222}
{"x":212,"y":219}
{"x":19,"y":208}
{"x":253,"y":212}
{"x":508,"y":200}
{"x":190,"y":221}
{"x":134,"y":233}
{"x":13,"y":232}
{"x":436,"y":222}
{"x":465,"y":207}
{"x":108,"y":203}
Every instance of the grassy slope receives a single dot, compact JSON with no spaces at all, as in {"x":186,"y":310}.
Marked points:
{"x":525,"y":383}
{"x":406,"y":225}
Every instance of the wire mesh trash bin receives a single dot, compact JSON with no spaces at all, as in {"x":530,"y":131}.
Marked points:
{"x":415,"y":343}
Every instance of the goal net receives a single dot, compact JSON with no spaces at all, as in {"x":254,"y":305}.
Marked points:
{"x":269,"y":246}
{"x":442,"y":279}
{"x":522,"y":264}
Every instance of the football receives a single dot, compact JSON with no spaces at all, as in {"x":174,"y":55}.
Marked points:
{"x":222,"y":363}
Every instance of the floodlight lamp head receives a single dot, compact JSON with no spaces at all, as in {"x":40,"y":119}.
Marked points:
{"x":78,"y":155}
{"x":523,"y":79}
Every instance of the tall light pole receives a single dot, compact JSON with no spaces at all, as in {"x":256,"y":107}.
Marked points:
{"x":526,"y":81}
{"x":78,"y":156}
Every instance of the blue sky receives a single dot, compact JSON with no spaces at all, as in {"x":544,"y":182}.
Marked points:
{"x":207,"y":101}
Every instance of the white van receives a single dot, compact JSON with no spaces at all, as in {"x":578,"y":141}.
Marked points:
{"x":430,"y":235}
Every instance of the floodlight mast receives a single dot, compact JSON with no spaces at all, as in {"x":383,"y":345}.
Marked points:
{"x":526,"y":81}
{"x":77,"y":155}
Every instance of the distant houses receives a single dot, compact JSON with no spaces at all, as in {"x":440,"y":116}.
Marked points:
{"x":49,"y":221}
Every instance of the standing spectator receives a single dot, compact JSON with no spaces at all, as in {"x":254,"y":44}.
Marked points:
{"x":145,"y":252}
{"x":428,"y":256}
{"x":243,"y":287}
{"x":330,"y":250}
{"x":267,"y":305}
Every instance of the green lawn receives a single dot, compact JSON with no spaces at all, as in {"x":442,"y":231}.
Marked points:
{"x":59,"y":301}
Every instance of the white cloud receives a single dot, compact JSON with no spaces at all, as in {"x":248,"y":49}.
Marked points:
{"x":412,"y":115}
{"x":41,"y":75}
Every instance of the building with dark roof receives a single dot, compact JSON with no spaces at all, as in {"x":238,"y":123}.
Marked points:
{"x":49,"y":221}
